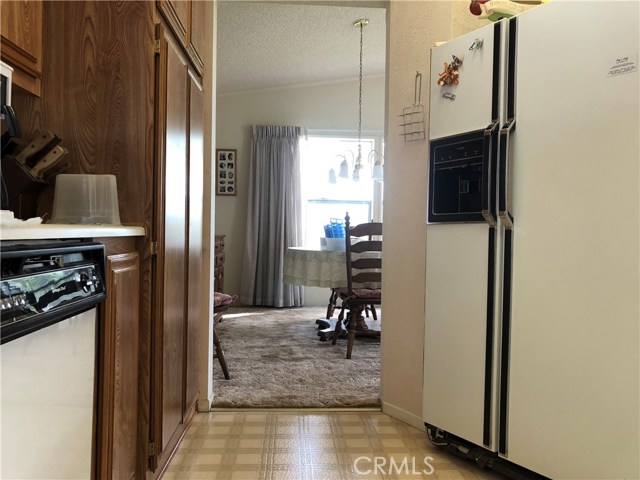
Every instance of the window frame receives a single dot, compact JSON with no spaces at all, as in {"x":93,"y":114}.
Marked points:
{"x":376,"y":210}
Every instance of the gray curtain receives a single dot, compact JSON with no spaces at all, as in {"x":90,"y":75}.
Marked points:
{"x":274,"y":216}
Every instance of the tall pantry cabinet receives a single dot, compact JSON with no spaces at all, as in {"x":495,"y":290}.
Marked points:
{"x":179,"y":121}
{"x":122,"y":86}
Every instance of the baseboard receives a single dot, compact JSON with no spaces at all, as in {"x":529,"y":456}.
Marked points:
{"x":204,"y":404}
{"x":407,"y":417}
{"x":297,"y":409}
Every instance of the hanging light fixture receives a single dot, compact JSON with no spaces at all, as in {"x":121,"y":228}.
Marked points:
{"x":378,"y":160}
{"x":356,"y":159}
{"x":357,"y":166}
{"x":344,"y":166}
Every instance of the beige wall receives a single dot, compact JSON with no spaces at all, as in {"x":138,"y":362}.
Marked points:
{"x":462,"y":20}
{"x":324,"y":107}
{"x":413,"y":27}
{"x":205,"y":353}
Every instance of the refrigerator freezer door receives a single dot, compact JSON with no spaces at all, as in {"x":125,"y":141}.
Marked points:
{"x":574,"y":367}
{"x":469,"y":105}
{"x":460,"y":379}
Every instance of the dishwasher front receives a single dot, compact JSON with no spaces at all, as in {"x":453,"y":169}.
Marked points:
{"x":48,"y":352}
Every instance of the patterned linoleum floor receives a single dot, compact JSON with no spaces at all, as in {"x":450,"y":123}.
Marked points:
{"x":311,"y":445}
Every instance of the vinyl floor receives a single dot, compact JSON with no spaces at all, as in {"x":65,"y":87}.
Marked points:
{"x":311,"y":445}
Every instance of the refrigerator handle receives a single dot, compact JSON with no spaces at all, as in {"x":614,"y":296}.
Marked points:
{"x":489,"y":155}
{"x":504,"y":193}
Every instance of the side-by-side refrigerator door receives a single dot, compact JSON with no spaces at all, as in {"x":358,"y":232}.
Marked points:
{"x":573,"y":376}
{"x":463,"y":87}
{"x":459,"y":371}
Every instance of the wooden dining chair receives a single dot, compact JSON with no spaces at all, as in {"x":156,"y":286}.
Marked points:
{"x":221,"y":302}
{"x":363,"y":258}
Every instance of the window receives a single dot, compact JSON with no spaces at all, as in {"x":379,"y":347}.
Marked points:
{"x":322,"y":200}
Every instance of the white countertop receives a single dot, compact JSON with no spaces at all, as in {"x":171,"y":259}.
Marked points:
{"x":53,"y":231}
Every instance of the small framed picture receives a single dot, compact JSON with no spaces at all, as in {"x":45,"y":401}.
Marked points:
{"x":226,"y":163}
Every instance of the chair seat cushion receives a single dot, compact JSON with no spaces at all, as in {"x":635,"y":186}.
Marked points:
{"x":221,"y":299}
{"x":360,"y":292}
{"x":342,"y":292}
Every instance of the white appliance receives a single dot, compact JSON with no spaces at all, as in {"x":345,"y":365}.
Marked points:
{"x":48,"y":336}
{"x":532,"y":283}
{"x":48,"y":401}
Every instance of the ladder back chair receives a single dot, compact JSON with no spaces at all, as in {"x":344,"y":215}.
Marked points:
{"x":363,"y":257}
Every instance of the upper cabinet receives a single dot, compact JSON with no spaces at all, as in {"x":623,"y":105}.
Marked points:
{"x":198,"y":32}
{"x":186,"y":19}
{"x":21,"y":38}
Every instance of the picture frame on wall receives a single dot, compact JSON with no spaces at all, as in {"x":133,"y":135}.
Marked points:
{"x":226,"y":173}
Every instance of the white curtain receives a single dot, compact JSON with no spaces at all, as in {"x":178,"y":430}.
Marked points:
{"x":274,"y":216}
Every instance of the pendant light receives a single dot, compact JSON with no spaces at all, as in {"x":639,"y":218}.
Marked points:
{"x":378,"y":159}
{"x":357,"y":166}
{"x":344,"y":166}
{"x":356,"y":159}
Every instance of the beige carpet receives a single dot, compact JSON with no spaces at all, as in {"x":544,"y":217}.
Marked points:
{"x":276,"y":360}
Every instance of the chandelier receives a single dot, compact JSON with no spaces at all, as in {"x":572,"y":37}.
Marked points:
{"x":374,"y":156}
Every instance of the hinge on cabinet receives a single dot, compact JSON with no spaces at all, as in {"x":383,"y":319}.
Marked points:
{"x":151,"y":449}
{"x":156,"y":47}
{"x":154,"y":249}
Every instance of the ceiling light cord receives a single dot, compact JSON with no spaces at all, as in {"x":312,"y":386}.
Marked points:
{"x":363,"y":22}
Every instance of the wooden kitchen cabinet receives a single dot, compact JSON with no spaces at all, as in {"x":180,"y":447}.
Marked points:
{"x":180,"y":147}
{"x":171,"y":105}
{"x":195,"y":216}
{"x":198,"y":37}
{"x":21,"y":27}
{"x":118,"y":379}
{"x":186,"y":19}
{"x":138,"y":114}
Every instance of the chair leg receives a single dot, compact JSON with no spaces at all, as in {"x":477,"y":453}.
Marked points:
{"x":374,"y":314}
{"x":351,"y":335}
{"x":338,"y":328}
{"x":356,"y":317}
{"x":220,"y":354}
{"x":332,"y":303}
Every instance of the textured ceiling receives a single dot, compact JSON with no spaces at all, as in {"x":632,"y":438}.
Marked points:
{"x":267,"y":44}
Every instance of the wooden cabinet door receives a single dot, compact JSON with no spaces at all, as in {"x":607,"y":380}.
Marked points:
{"x":171,"y":234}
{"x":21,"y":38}
{"x":198,"y":35}
{"x":196,"y":188}
{"x":178,"y":16}
{"x":119,"y":337}
{"x":187,"y":20}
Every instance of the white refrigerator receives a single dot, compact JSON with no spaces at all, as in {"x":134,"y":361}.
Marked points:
{"x":532,"y":332}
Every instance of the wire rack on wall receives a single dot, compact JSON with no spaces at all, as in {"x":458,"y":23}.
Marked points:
{"x":413,"y":116}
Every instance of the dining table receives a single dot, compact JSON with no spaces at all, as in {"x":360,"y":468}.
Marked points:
{"x":317,"y":268}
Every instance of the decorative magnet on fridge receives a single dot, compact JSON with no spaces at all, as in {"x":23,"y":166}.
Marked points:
{"x":451,"y":72}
